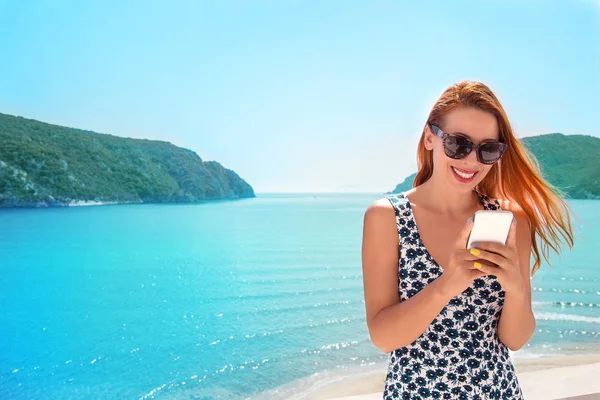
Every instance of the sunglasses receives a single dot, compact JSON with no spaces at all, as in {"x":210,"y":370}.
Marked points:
{"x":458,"y":147}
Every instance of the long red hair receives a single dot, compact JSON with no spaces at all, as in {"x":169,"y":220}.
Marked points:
{"x":516,"y":177}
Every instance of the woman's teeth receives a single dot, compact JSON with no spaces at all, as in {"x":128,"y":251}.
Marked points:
{"x":462,"y":174}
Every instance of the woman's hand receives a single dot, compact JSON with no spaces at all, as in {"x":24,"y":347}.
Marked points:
{"x":500,"y":261}
{"x":457,"y":275}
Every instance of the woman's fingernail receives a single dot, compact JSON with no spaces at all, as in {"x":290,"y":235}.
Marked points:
{"x":469,"y":220}
{"x":514,"y":221}
{"x":475,"y":252}
{"x":477,"y":265}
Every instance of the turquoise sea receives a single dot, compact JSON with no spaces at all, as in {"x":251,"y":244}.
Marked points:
{"x":224,"y":300}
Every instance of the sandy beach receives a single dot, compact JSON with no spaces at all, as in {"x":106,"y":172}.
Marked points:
{"x":575,"y":377}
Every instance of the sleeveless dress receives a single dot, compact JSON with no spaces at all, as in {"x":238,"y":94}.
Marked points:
{"x":459,"y":356}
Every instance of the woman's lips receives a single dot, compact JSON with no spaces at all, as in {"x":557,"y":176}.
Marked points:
{"x":462,"y":179}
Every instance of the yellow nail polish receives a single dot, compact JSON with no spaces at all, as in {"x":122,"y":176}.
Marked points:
{"x":477,"y":265}
{"x":475,"y":252}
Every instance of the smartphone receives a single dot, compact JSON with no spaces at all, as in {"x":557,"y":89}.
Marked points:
{"x":490,"y":226}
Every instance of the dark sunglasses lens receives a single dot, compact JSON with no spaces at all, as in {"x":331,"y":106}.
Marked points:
{"x":457,"y":147}
{"x":489,"y":153}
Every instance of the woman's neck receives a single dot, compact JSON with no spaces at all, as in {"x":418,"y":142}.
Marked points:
{"x":441,"y":200}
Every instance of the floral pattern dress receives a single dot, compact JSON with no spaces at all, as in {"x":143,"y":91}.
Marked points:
{"x":459,"y":356}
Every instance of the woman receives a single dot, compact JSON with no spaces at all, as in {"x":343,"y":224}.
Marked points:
{"x":447,"y":315}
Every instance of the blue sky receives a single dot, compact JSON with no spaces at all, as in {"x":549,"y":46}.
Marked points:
{"x":296,"y":96}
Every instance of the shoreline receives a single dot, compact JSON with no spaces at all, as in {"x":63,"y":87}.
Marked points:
{"x":86,"y":203}
{"x":571,"y":382}
{"x":368,"y":380}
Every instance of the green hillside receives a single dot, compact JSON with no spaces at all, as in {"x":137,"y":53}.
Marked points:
{"x":49,"y":165}
{"x":569,"y":162}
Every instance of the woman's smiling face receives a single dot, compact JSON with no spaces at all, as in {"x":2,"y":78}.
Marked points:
{"x":478,"y":126}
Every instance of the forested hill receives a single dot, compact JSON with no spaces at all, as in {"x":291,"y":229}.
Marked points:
{"x":48,"y":165}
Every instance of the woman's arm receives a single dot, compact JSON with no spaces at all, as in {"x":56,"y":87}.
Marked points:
{"x":517,"y":322}
{"x":393,"y":324}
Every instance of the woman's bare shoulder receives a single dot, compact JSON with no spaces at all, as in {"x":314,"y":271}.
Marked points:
{"x":380,"y":208}
{"x":385,"y":203}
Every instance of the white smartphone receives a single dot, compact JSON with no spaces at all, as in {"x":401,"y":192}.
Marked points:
{"x":490,"y":226}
